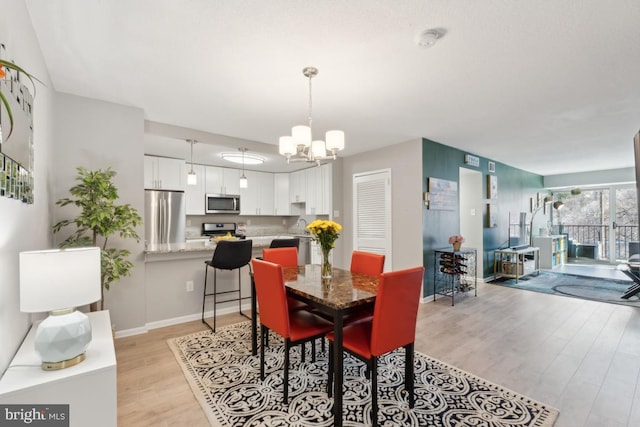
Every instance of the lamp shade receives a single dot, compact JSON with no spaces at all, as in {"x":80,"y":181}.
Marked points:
{"x":59,"y":278}
{"x":317,"y":148}
{"x":192,"y":178}
{"x":286,"y":146}
{"x":335,"y":140}
{"x":301,"y":135}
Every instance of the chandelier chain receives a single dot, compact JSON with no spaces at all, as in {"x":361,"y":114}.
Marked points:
{"x":310,"y":108}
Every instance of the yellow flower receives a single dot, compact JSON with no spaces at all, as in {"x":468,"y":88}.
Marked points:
{"x":325,"y":232}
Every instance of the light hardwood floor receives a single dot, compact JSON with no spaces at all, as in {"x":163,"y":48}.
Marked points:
{"x":581,"y":357}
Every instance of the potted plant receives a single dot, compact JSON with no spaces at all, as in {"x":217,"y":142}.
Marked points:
{"x":99,"y":218}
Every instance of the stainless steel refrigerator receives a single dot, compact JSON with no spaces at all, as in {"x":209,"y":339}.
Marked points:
{"x":164,"y":217}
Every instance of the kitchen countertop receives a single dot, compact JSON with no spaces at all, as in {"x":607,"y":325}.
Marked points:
{"x":205,"y":245}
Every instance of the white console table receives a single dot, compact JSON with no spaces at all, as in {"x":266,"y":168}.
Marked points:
{"x":89,"y":388}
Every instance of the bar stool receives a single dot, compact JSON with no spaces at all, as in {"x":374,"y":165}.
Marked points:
{"x":228,"y":255}
{"x":285,"y":243}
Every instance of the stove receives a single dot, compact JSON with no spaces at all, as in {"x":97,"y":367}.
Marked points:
{"x":213,"y":229}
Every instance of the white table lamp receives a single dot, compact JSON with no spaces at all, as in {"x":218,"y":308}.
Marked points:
{"x":58,"y":281}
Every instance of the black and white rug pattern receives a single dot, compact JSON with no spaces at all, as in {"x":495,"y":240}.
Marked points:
{"x":225,"y":378}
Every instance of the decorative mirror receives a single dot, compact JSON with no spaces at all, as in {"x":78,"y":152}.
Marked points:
{"x":16,"y":142}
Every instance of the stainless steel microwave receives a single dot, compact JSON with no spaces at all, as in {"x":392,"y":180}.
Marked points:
{"x":222,"y":203}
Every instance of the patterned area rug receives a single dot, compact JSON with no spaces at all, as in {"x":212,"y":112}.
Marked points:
{"x":572,"y":285}
{"x":225,"y":379}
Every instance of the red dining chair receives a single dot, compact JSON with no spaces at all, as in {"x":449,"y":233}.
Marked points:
{"x":393,"y":326}
{"x":286,"y":257}
{"x":296,"y":327}
{"x":367,"y":263}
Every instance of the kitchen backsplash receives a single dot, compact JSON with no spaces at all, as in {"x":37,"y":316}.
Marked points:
{"x":254,"y":226}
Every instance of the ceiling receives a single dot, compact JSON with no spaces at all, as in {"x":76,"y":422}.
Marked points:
{"x":546,"y":86}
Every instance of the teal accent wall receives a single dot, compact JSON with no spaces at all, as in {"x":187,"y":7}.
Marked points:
{"x":515,"y":188}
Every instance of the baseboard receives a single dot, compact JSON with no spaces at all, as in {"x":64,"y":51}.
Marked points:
{"x":178,"y":320}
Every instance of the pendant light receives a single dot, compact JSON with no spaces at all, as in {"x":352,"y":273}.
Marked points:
{"x":244,"y":183}
{"x":300,"y":145}
{"x":192,"y":178}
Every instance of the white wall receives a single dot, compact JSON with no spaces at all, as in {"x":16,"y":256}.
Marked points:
{"x":97,"y":135}
{"x":405,"y":162}
{"x":24,"y":227}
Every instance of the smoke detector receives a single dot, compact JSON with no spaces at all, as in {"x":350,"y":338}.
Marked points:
{"x":427,"y":38}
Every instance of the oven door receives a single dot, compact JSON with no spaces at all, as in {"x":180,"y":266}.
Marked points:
{"x":222,"y":203}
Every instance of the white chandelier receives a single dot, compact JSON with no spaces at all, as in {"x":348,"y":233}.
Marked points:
{"x":301,"y":147}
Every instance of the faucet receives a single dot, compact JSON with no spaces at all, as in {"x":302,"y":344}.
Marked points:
{"x":302,"y":220}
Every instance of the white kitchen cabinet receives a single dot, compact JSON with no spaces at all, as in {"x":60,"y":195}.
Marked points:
{"x":318,"y":190}
{"x":89,"y":388}
{"x":164,"y":173}
{"x":194,"y":194}
{"x":297,"y":186}
{"x":281,"y":194}
{"x":222,"y":180}
{"x":258,"y":197}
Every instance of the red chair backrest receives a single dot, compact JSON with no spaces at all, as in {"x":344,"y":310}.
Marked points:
{"x":367,"y":263}
{"x":286,"y":257}
{"x":272,"y":296}
{"x":396,"y":310}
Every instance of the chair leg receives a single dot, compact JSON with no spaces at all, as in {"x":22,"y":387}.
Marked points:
{"x":374,"y":391}
{"x":287,"y":345}
{"x":239,"y":291}
{"x":303,"y":353}
{"x":215,"y":296}
{"x":313,"y":351}
{"x":262,"y":339}
{"x":408,"y":373}
{"x":204,"y":293}
{"x":330,"y":370}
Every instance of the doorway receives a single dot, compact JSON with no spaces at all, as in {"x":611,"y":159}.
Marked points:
{"x":471,"y":213}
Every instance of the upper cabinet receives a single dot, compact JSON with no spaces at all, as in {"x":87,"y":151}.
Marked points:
{"x":222,"y":180}
{"x":194,"y":194}
{"x":318,"y":190}
{"x":297,"y":186}
{"x":258,"y":197}
{"x":163,"y":173}
{"x":281,"y":194}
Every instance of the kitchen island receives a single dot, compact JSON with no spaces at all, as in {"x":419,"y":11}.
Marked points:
{"x":174,"y":280}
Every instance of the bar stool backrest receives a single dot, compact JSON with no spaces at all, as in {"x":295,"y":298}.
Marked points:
{"x":231,"y":254}
{"x":285,"y":243}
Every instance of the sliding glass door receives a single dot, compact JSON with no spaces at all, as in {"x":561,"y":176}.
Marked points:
{"x":602,"y":224}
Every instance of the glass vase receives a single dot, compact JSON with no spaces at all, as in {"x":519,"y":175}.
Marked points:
{"x":326,"y":269}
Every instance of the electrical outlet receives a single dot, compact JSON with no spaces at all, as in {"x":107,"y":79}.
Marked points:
{"x":284,"y":222}
{"x":189,"y":285}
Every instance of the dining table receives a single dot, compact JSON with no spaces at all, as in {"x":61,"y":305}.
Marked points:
{"x":341,"y":295}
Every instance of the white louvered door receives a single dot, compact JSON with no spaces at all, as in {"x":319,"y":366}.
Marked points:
{"x":372,"y":213}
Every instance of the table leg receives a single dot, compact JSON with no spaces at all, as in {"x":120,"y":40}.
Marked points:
{"x":338,"y":370}
{"x":254,"y":319}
